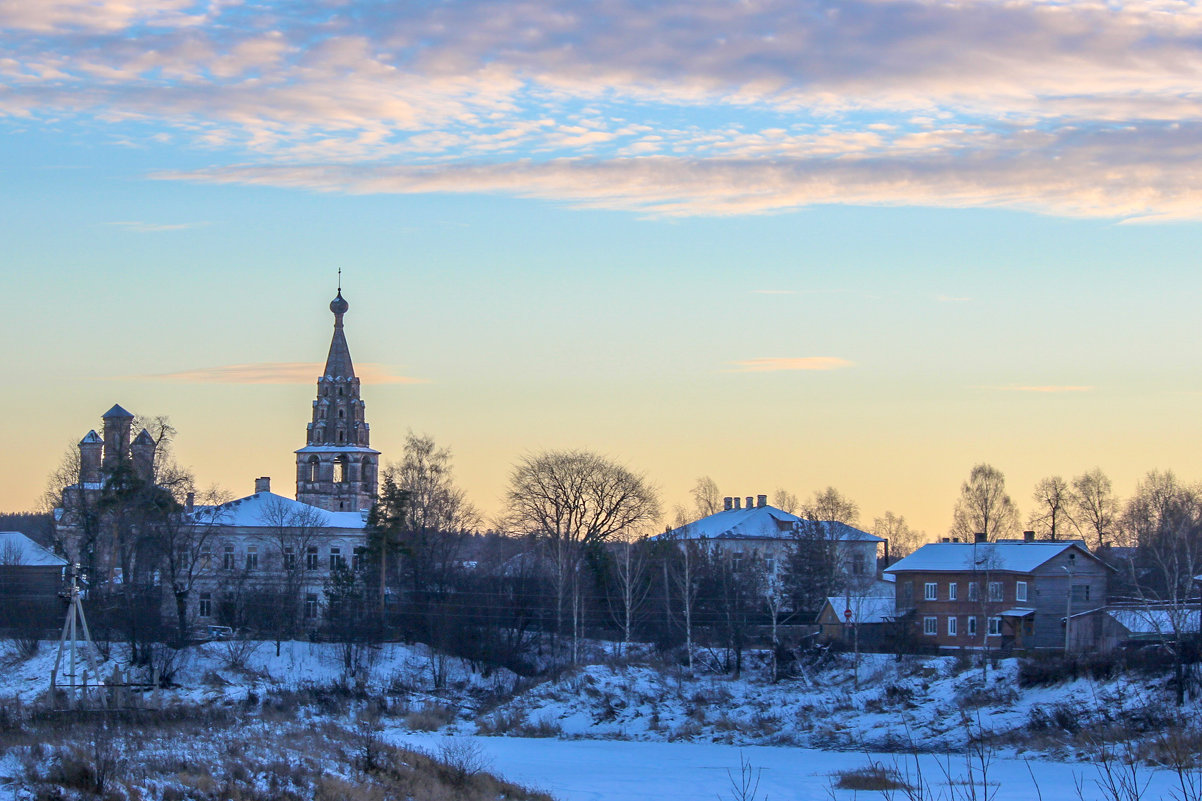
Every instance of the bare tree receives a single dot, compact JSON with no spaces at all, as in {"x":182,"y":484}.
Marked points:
{"x":573,"y":500}
{"x":632,"y":585}
{"x":1094,"y":505}
{"x":831,"y":505}
{"x":1053,"y":499}
{"x":786,"y":501}
{"x":983,"y":506}
{"x":1164,"y":518}
{"x":292,"y":530}
{"x":706,"y":497}
{"x":903,"y":540}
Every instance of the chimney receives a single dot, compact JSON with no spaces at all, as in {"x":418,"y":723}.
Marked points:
{"x":979,"y":537}
{"x":947,"y":539}
{"x":749,"y":500}
{"x":727,"y":504}
{"x":190,"y":502}
{"x":263,"y":484}
{"x":761,"y":501}
{"x":736,"y":500}
{"x":1028,"y":536}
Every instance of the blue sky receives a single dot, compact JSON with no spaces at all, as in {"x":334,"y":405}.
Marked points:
{"x":787,"y":244}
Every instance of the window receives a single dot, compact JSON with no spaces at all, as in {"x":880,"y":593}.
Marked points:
{"x":358,"y":558}
{"x":206,"y":605}
{"x":972,"y":591}
{"x":908,"y":593}
{"x":930,"y":591}
{"x":227,"y":557}
{"x":252,"y":557}
{"x":952,"y":591}
{"x":314,"y":464}
{"x":289,"y":558}
{"x":1081,"y":593}
{"x":995,"y":590}
{"x":930,"y":625}
{"x":857,"y":567}
{"x":340,"y":466}
{"x":337,"y":560}
{"x":1020,"y":591}
{"x":206,"y":557}
{"x":311,"y":606}
{"x":995,"y":627}
{"x":972,"y":626}
{"x":311,"y":558}
{"x":736,"y":562}
{"x":951,"y":626}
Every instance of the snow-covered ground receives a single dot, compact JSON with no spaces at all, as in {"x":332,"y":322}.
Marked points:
{"x":607,"y":770}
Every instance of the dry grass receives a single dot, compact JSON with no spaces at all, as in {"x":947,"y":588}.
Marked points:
{"x":872,"y":777}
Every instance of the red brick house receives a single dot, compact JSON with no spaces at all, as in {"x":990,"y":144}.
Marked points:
{"x":1009,"y":594}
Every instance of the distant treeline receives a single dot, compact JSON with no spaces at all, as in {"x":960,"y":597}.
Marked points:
{"x":38,"y":526}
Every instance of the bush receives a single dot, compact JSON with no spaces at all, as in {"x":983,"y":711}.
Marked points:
{"x":872,"y":777}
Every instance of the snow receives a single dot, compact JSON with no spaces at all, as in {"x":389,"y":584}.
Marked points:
{"x":864,"y":608}
{"x":1152,"y":620}
{"x":761,"y":522}
{"x":610,"y":770}
{"x":268,"y":510}
{"x":17,"y":549}
{"x":1012,"y":556}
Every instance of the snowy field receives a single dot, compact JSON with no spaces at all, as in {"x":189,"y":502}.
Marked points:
{"x":609,"y":770}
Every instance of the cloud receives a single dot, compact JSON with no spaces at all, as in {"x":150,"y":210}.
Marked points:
{"x":147,"y":228}
{"x":714,"y":107}
{"x":280,"y":373}
{"x":771,"y":365}
{"x":1050,"y":388}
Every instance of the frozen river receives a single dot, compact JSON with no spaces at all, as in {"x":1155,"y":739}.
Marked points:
{"x":612,"y":770}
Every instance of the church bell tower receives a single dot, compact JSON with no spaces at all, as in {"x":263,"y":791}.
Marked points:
{"x":337,"y":469}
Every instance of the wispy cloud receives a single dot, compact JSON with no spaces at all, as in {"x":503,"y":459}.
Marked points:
{"x":1048,"y":388}
{"x":1081,"y":109}
{"x":770,"y":365}
{"x":151,"y":228}
{"x":280,"y":373}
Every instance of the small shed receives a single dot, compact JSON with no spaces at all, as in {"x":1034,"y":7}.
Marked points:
{"x":841,"y":614}
{"x":31,"y":578}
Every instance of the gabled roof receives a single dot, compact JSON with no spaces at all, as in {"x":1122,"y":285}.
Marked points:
{"x":17,"y":549}
{"x":1006,"y":557}
{"x":268,"y":510}
{"x":864,"y":609}
{"x":762,"y":522}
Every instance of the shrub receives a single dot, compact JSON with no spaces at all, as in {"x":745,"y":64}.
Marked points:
{"x":431,"y":717}
{"x":872,"y":777}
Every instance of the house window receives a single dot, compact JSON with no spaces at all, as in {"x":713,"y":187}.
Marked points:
{"x":908,"y":593}
{"x":972,"y":626}
{"x":857,"y":567}
{"x":930,"y":591}
{"x":206,"y":557}
{"x":227,"y":557}
{"x":995,"y":627}
{"x":736,"y":562}
{"x":951,"y":626}
{"x":1081,"y":593}
{"x":972,"y":591}
{"x":337,"y":561}
{"x":1020,"y":591}
{"x":930,"y":626}
{"x":289,"y":558}
{"x":311,"y":606}
{"x":311,"y":558}
{"x":995,"y":590}
{"x":314,"y":466}
{"x":952,"y":591}
{"x":770,"y":565}
{"x":206,"y":605}
{"x":340,"y":470}
{"x":252,"y":557}
{"x":358,"y":558}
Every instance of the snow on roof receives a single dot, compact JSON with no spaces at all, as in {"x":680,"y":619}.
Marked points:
{"x":761,"y":522}
{"x":336,"y":449}
{"x":1006,"y":556}
{"x":864,"y":609}
{"x":17,"y":549}
{"x":1151,"y":620}
{"x":268,"y":510}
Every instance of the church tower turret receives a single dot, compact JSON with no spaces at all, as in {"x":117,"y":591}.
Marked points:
{"x":337,"y":468}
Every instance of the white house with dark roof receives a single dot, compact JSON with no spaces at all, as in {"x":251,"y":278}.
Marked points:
{"x":770,"y":534}
{"x":998,"y":595}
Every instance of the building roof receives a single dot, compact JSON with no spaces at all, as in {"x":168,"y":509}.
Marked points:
{"x":762,"y":522}
{"x":338,"y":362}
{"x":268,"y":510}
{"x":336,"y":449}
{"x":1008,"y":556}
{"x":117,"y":412}
{"x":1154,"y":620}
{"x":864,"y":609}
{"x":17,"y":549}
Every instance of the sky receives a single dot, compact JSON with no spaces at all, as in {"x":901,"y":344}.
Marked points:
{"x":787,"y":244}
